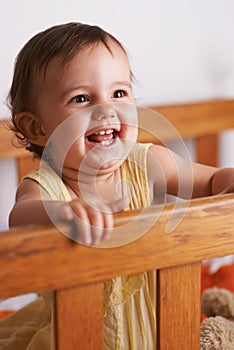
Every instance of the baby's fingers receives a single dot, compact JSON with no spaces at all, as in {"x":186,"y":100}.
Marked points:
{"x":101,"y":225}
{"x":89,"y":226}
{"x":80,"y":229}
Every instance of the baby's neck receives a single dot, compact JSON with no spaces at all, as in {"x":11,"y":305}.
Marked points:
{"x":106,"y":186}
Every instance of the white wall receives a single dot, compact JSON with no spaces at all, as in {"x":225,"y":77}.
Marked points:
{"x":180,"y":50}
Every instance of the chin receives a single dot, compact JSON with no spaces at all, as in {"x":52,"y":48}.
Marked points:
{"x":100,"y":160}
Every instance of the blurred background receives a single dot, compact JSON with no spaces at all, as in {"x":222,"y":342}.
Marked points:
{"x":180,"y":51}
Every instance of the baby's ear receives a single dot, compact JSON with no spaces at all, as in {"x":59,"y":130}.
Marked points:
{"x":30,"y":126}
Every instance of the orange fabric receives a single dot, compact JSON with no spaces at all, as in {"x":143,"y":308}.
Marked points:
{"x":5,"y":313}
{"x":223,"y":278}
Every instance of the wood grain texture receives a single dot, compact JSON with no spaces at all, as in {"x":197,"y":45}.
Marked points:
{"x":206,"y":231}
{"x":207,"y":149}
{"x":79,"y":318}
{"x":190,"y":120}
{"x":178,"y":290}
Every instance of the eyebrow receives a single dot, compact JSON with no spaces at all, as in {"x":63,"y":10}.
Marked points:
{"x":125,"y":83}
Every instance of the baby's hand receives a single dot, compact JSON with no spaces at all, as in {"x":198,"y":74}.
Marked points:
{"x":89,"y":225}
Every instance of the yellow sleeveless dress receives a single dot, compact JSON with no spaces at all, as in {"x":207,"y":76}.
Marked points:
{"x":129,"y":302}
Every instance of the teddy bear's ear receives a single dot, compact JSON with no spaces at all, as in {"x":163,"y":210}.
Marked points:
{"x":218,"y":302}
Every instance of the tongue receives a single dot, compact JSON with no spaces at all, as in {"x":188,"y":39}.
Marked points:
{"x":100,"y":138}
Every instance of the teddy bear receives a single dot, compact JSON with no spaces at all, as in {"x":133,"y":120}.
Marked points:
{"x":217,"y":329}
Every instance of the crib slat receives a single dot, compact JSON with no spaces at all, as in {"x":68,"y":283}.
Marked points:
{"x":79,"y":317}
{"x":178,"y":304}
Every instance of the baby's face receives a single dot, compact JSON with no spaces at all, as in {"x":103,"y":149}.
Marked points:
{"x":95,"y":89}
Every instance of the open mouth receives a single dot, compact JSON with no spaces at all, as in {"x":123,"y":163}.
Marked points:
{"x":103,"y":137}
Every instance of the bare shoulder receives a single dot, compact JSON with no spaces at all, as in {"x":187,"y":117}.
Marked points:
{"x":159,"y":152}
{"x":161,"y":159}
{"x":29,"y":207}
{"x":30,"y":189}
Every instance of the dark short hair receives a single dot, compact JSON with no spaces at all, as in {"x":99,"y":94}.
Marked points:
{"x":65,"y":41}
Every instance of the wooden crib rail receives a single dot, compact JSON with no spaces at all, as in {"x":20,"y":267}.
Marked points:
{"x":195,"y":119}
{"x":39,"y":259}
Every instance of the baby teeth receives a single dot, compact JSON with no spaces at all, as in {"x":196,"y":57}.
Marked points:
{"x":108,"y":132}
{"x":104,"y":132}
{"x":106,"y":142}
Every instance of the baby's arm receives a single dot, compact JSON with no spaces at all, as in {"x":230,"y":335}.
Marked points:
{"x":178,"y":176}
{"x":210,"y":181}
{"x":90,"y":225}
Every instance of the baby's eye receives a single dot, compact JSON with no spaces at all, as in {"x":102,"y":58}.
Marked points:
{"x":79,"y":99}
{"x":119,"y":94}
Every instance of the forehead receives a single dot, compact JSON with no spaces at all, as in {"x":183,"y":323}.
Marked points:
{"x":90,"y":58}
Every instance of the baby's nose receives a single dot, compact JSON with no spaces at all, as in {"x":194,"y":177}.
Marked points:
{"x":105,"y":110}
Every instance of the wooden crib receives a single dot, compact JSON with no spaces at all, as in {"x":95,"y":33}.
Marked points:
{"x":42,"y":259}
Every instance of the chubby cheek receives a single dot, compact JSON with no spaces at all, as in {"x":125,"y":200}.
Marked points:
{"x":67,"y":152}
{"x":68,"y":133}
{"x":129,"y":122}
{"x":129,"y":132}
